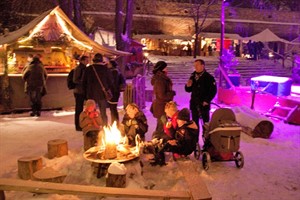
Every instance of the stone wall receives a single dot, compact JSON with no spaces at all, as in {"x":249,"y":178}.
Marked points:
{"x":159,"y":17}
{"x":175,"y":18}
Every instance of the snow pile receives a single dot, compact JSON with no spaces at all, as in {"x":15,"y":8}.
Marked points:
{"x":117,"y":168}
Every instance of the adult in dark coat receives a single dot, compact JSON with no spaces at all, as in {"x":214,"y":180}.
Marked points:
{"x":120,"y":84}
{"x":92,"y":86}
{"x":203,"y":89}
{"x":35,"y":77}
{"x":163,"y":93}
{"x":78,"y":91}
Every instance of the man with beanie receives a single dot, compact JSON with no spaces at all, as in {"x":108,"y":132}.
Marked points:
{"x":92,"y":84}
{"x":203,"y":89}
{"x":163,"y":93}
{"x":185,"y":138}
{"x":78,"y":91}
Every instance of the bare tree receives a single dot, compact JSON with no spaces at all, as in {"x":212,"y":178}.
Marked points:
{"x":123,"y":24}
{"x":199,"y":16}
{"x":72,"y":9}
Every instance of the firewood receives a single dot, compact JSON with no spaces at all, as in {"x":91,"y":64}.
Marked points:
{"x":57,"y":148}
{"x":28,"y":165}
{"x":49,"y":175}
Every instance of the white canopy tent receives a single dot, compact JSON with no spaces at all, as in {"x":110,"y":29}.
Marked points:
{"x":266,"y":36}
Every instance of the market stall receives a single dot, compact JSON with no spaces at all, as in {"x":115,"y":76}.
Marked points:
{"x":58,"y":42}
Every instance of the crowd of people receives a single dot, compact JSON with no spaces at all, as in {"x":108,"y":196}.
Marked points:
{"x":98,"y":86}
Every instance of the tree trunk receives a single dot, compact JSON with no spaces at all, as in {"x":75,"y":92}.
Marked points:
{"x":196,"y":40}
{"x":67,"y":7}
{"x":77,"y":14}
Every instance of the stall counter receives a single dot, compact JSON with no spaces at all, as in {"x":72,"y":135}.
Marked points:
{"x":58,"y":95}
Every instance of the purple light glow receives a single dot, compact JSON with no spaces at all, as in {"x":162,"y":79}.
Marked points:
{"x":276,"y":79}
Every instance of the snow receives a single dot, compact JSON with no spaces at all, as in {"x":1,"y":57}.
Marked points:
{"x":271,"y":169}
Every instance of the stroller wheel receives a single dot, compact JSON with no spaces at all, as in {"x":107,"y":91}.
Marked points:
{"x":206,"y":160}
{"x":239,"y":159}
{"x":197,"y":151}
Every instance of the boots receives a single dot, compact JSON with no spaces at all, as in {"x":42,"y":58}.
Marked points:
{"x":159,"y":158}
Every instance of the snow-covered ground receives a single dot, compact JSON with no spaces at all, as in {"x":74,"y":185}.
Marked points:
{"x":271,"y":169}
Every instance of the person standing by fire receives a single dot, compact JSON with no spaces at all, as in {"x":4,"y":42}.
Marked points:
{"x":35,"y":76}
{"x":163,"y":93}
{"x":95,"y":76}
{"x":78,"y":91}
{"x":203,"y":89}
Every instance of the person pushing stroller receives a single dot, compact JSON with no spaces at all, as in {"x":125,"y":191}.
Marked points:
{"x":184,"y":141}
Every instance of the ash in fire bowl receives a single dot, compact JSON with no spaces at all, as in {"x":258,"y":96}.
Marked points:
{"x":99,"y":155}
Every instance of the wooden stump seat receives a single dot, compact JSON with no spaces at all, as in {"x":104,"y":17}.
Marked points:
{"x":28,"y":165}
{"x":57,"y":148}
{"x":49,"y":175}
{"x":116,"y":180}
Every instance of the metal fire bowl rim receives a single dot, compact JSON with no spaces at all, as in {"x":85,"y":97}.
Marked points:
{"x":106,"y":161}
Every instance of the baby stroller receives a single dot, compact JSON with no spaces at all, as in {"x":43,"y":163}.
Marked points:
{"x":221,"y":137}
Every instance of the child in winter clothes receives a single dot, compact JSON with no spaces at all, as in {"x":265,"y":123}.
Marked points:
{"x":185,"y":138}
{"x":134,"y":122}
{"x":171,"y":125}
{"x":91,"y":123}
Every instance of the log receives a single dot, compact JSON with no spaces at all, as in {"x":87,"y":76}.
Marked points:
{"x":57,"y":148}
{"x":28,"y":165}
{"x":116,"y":180}
{"x":49,"y":175}
{"x":253,"y":123}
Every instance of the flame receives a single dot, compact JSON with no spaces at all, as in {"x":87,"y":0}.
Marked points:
{"x":112,"y":135}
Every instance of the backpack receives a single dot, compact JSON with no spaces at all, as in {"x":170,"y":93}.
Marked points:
{"x":71,"y":85}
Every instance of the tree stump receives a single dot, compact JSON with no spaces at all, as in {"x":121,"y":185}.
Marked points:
{"x":28,"y":165}
{"x":116,"y":180}
{"x":57,"y":148}
{"x":49,"y":175}
{"x":116,"y":176}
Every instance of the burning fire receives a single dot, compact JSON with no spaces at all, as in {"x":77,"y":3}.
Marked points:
{"x":112,"y":142}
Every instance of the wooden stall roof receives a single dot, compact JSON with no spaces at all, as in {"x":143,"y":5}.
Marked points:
{"x":13,"y":37}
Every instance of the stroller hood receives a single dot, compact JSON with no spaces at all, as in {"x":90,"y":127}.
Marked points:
{"x":221,"y":114}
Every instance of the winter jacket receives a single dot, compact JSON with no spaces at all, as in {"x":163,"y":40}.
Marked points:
{"x":78,"y":78}
{"x":91,"y":84}
{"x":162,"y":88}
{"x":88,"y":123}
{"x":140,"y":120}
{"x":186,"y":137}
{"x":203,"y":89}
{"x":35,"y":76}
{"x":118,"y":81}
{"x":170,"y":132}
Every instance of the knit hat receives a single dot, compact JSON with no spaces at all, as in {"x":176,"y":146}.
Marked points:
{"x":90,"y":102}
{"x":160,"y":65}
{"x":184,"y":114}
{"x":98,"y":58}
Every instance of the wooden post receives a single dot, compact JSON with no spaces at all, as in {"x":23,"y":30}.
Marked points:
{"x":28,"y":165}
{"x":57,"y":148}
{"x":2,"y":195}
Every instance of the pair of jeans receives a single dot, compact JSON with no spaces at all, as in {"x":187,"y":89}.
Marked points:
{"x":36,"y":100}
{"x":79,"y":102}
